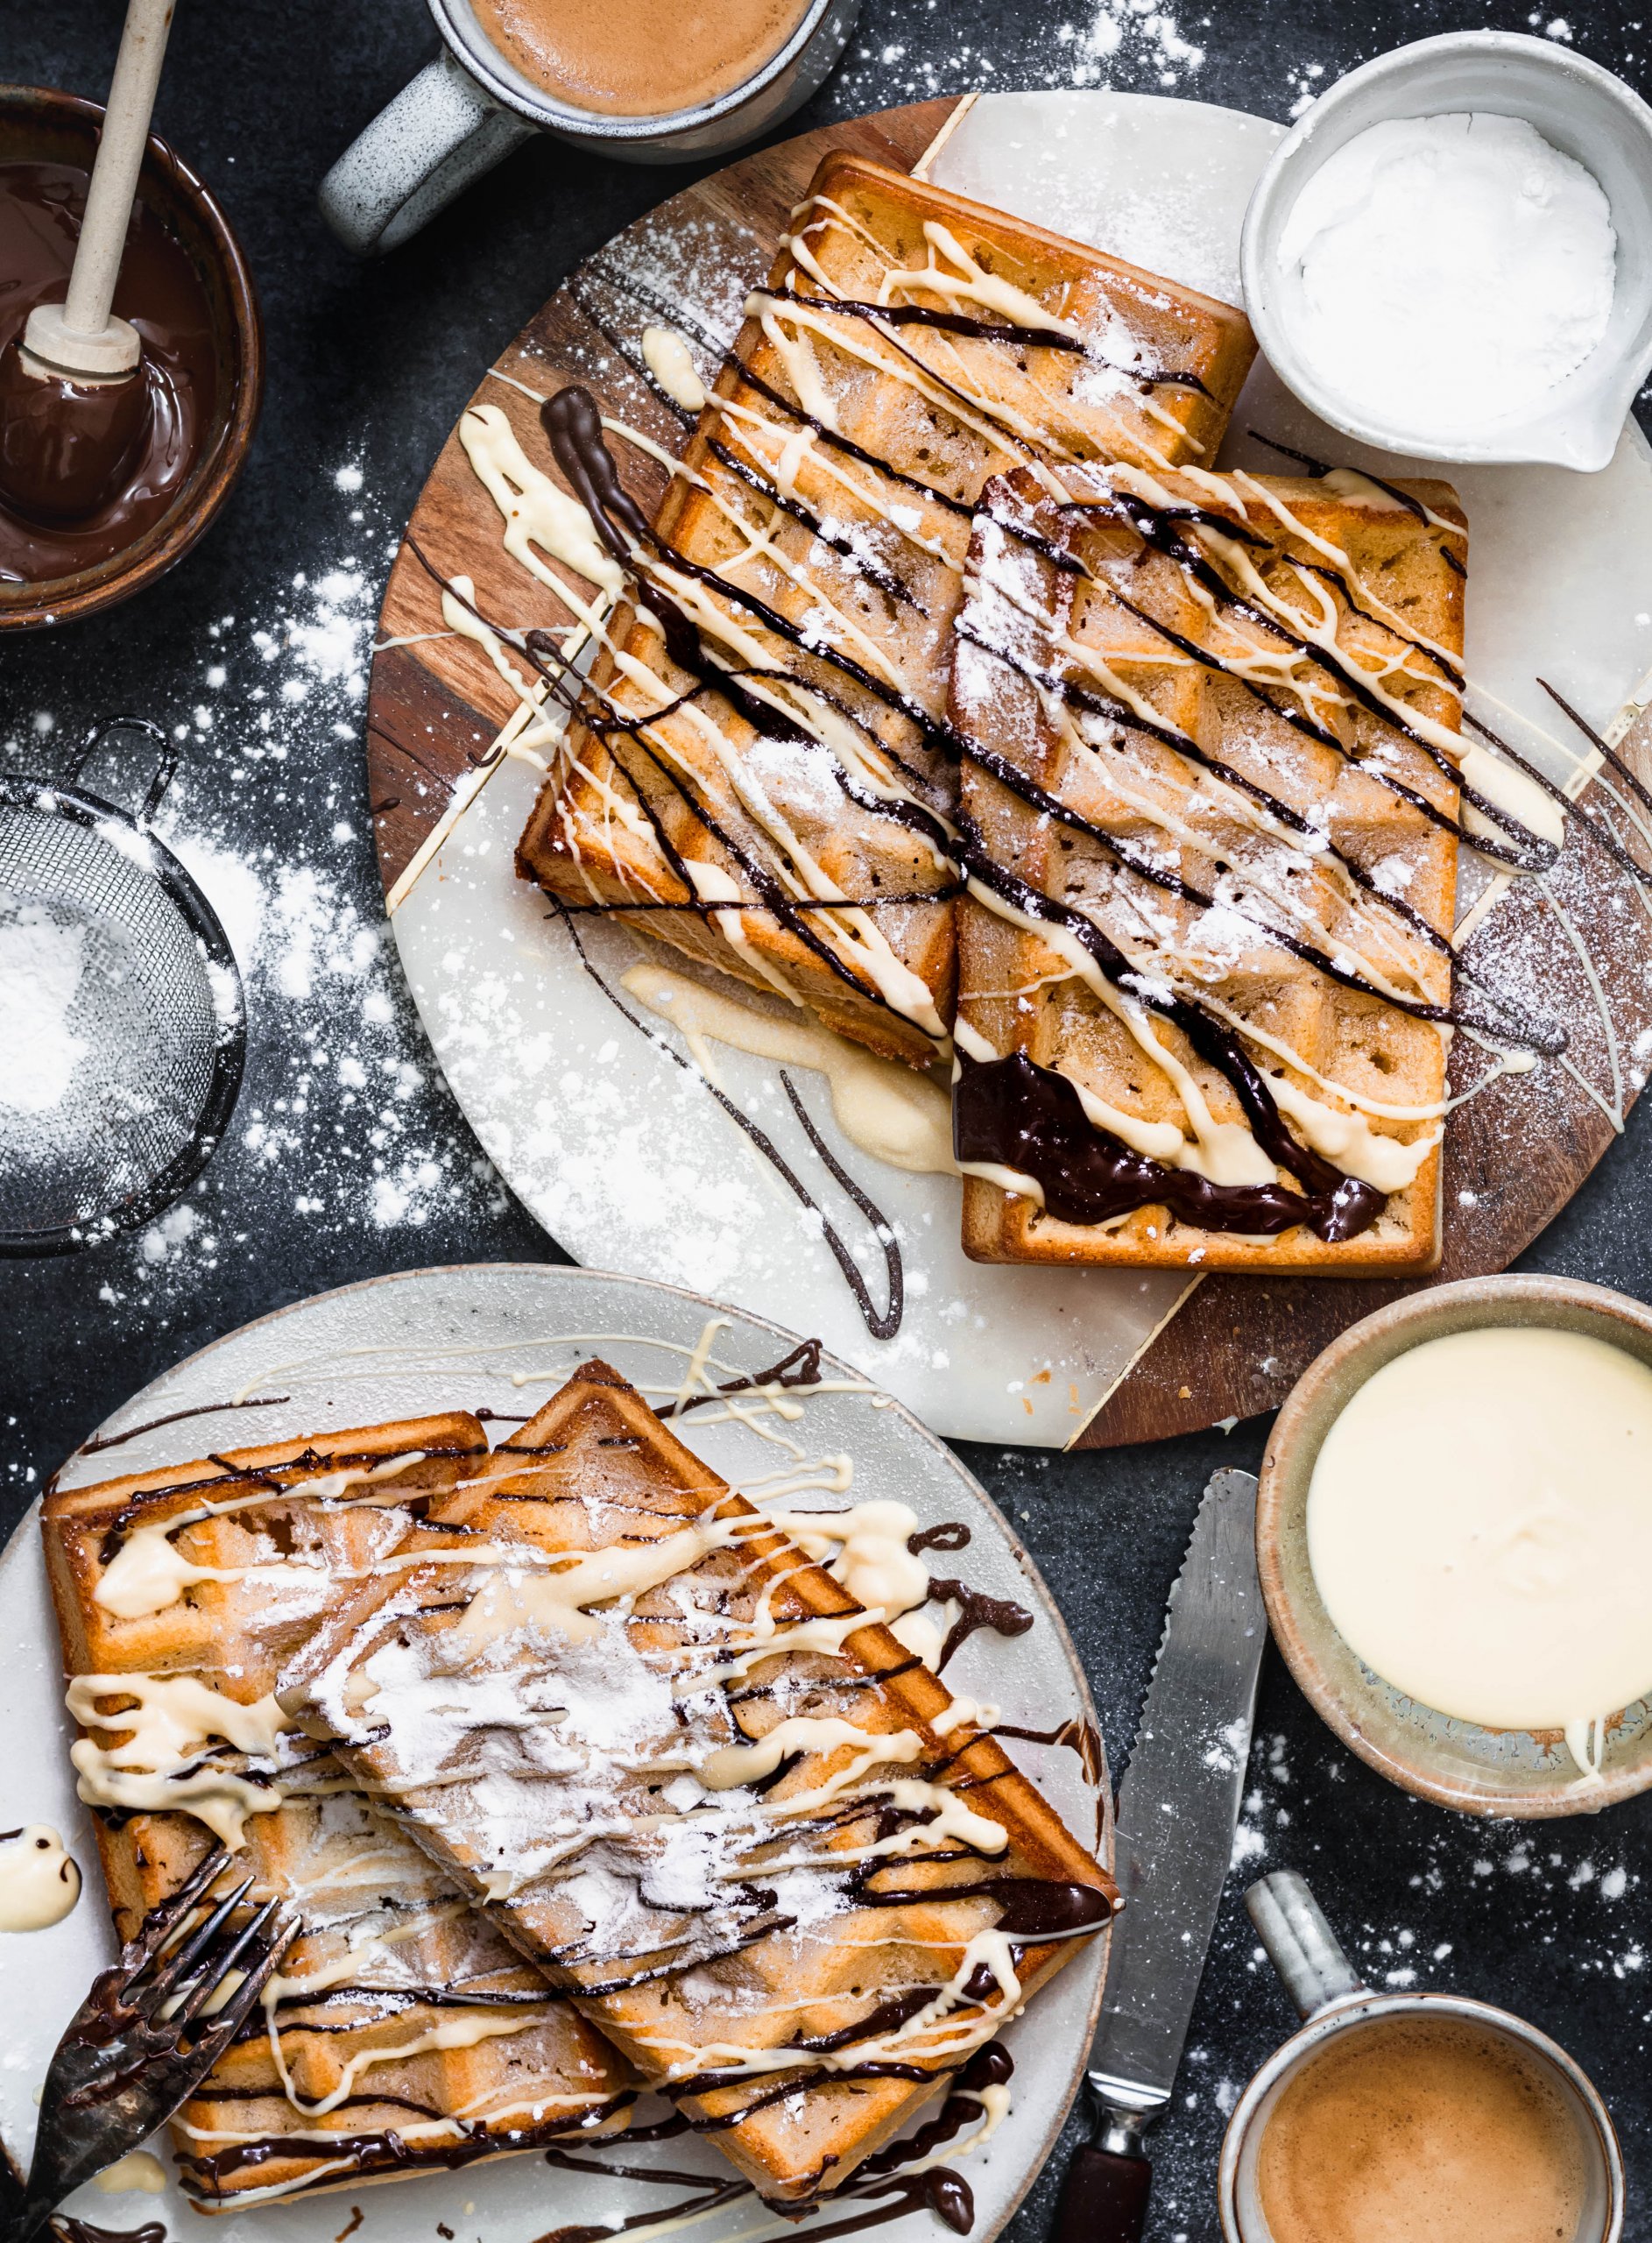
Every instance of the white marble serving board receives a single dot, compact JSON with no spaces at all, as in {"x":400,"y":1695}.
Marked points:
{"x":631,"y":1165}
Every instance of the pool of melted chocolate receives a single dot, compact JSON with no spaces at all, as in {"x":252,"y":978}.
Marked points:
{"x":160,"y":292}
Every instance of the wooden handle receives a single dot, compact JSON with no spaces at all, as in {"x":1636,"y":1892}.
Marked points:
{"x":81,"y":337}
{"x":1103,"y":2199}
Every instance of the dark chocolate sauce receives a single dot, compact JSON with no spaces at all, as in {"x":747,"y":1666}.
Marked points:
{"x":41,"y":205}
{"x":976,"y":1609}
{"x":1031,"y":1910}
{"x":70,"y":2230}
{"x":951,"y":1536}
{"x":98,"y":1441}
{"x":1013,"y":332}
{"x":67,"y":447}
{"x":1013,"y":1113}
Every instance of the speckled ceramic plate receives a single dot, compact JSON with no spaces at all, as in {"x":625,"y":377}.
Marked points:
{"x":504,"y":1337}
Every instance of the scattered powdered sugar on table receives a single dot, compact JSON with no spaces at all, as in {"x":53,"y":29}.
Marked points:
{"x":343,"y":1120}
{"x":1133,"y":42}
{"x":42,"y":961}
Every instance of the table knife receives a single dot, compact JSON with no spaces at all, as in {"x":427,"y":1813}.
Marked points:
{"x":1178,"y":1805}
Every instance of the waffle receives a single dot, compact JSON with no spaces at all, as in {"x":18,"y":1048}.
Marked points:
{"x":739,"y":1945}
{"x":398,"y":1961}
{"x":854,"y":535}
{"x":1137,"y":633}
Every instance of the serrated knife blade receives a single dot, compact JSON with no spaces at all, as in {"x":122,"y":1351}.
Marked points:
{"x":1178,"y":1809}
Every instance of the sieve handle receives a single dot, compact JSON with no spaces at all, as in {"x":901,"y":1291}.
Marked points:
{"x":165,"y":765}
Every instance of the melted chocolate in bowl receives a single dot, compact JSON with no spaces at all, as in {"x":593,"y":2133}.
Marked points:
{"x":162,"y":295}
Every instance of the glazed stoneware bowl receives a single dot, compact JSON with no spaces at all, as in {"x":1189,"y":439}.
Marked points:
{"x":39,"y":126}
{"x":1454,"y":1763}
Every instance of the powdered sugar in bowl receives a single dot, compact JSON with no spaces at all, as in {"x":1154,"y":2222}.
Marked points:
{"x":1526,"y":166}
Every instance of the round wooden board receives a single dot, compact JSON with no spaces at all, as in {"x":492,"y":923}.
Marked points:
{"x":1513,"y":1155}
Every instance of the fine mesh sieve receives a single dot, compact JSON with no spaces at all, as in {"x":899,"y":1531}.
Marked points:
{"x":121,"y":1004}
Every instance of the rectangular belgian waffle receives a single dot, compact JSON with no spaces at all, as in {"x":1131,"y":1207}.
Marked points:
{"x":831,"y":480}
{"x":767,"y":1941}
{"x":426,"y":2039}
{"x":1153,"y":693}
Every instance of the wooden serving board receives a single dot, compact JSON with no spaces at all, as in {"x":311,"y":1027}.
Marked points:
{"x":1515,"y":1155}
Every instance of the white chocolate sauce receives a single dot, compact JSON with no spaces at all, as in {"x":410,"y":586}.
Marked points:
{"x":890,"y":1111}
{"x":139,"y":2172}
{"x":667,"y":354}
{"x":1479,"y":1525}
{"x":40,"y":1882}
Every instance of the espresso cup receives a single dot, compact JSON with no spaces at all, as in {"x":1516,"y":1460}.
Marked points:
{"x":1333,"y":2003}
{"x":465,"y":110}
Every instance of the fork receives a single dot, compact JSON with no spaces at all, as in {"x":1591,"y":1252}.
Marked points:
{"x":130,"y":2056}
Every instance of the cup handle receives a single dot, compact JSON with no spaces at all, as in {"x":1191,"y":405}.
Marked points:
{"x":1301,"y":1944}
{"x":442,"y":131}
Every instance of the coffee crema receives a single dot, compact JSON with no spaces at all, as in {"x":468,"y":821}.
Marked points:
{"x":639,"y":58}
{"x":1417,"y":2129}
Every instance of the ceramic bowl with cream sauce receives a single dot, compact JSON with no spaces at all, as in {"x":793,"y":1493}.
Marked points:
{"x":1499,"y":1537}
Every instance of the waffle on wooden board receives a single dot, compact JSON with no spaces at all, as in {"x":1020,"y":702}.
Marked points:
{"x":1248,"y":831}
{"x":672,"y":1803}
{"x":426,"y":2039}
{"x":830,"y":486}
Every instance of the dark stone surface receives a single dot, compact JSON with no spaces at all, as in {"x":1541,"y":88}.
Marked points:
{"x":359,"y":1162}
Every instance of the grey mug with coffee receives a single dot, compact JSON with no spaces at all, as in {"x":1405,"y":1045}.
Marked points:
{"x":1407,"y":2116}
{"x":495,"y":84}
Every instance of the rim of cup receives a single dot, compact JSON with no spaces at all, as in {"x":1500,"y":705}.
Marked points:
{"x":456,"y":20}
{"x":1370,"y":2006}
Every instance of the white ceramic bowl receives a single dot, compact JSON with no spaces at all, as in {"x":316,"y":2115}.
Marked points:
{"x":1581,"y":110}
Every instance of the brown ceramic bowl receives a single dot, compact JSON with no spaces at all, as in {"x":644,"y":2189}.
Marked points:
{"x":1455,"y":1763}
{"x":39,"y":126}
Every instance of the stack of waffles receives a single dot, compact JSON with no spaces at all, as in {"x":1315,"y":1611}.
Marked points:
{"x":404,"y":2030}
{"x":987,"y":706}
{"x":573,"y":1733}
{"x":829,"y":490}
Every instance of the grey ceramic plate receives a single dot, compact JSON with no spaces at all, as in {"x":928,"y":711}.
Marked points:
{"x":1455,"y":1763}
{"x":502,"y":1338}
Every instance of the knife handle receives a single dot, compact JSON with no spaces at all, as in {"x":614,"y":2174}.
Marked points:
{"x":1103,"y":2198}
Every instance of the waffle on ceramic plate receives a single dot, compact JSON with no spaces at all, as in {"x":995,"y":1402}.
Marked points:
{"x":780,"y":743}
{"x":756,"y":1838}
{"x":1210,"y":804}
{"x":404,"y":2031}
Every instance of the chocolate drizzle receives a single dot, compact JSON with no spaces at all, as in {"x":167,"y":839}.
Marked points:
{"x":976,"y":1609}
{"x":1013,"y":1113}
{"x":1019,"y":335}
{"x":883,"y":1324}
{"x":385,"y":2152}
{"x":68,"y":2229}
{"x":1032,"y":1910}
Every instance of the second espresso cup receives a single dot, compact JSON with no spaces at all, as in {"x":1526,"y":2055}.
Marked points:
{"x":1336,"y":2005}
{"x":471,"y":106}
